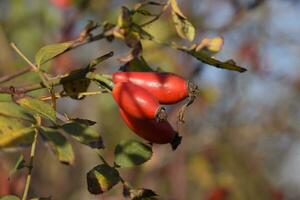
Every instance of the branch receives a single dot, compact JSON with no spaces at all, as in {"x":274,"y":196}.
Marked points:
{"x":76,"y":44}
{"x":103,"y":79}
{"x":30,"y":166}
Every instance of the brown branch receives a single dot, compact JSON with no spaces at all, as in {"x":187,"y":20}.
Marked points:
{"x":20,"y":72}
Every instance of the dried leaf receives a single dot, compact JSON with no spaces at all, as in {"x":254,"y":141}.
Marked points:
{"x":183,"y":27}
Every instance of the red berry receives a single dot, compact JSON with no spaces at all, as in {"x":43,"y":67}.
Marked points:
{"x":62,"y":4}
{"x":136,"y":101}
{"x":168,"y":88}
{"x":159,"y":132}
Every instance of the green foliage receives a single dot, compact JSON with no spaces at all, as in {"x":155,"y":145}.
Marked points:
{"x":10,"y":197}
{"x":84,"y":134}
{"x":102,"y":178}
{"x":20,"y":164}
{"x":60,"y":145}
{"x":129,"y":153}
{"x":39,"y":107}
{"x":18,"y":137}
{"x":10,"y":109}
{"x":48,"y":52}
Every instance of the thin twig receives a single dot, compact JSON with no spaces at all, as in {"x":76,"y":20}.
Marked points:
{"x":20,"y":72}
{"x":157,"y":16}
{"x":30,"y":167}
{"x":24,"y":57}
{"x":59,"y":95}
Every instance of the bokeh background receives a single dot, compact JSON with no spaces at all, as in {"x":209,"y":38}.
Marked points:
{"x":241,"y":136}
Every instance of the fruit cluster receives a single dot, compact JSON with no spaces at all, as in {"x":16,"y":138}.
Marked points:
{"x":139,"y":96}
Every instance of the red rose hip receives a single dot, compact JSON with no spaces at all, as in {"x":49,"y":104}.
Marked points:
{"x":159,"y":132}
{"x":137,"y":102}
{"x":168,"y":88}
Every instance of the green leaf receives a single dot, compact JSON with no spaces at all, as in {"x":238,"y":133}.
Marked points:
{"x":14,"y":110}
{"x":86,"y":122}
{"x":137,"y":64}
{"x":61,"y":146}
{"x":20,"y":164}
{"x":84,"y":134}
{"x":183,"y":27}
{"x":10,"y":197}
{"x":129,"y":153}
{"x":39,"y":107}
{"x":205,"y":58}
{"x":125,"y":18}
{"x":102,"y":178}
{"x":17,"y":137}
{"x":74,"y":88}
{"x":48,"y":52}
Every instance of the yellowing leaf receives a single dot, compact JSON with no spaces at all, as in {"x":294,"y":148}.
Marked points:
{"x":17,"y":137}
{"x":183,"y":27}
{"x":37,"y":106}
{"x":102,"y":178}
{"x":212,"y":46}
{"x":48,"y":52}
{"x":10,"y":197}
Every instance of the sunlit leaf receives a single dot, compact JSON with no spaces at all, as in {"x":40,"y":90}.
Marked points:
{"x":17,"y":137}
{"x":102,"y":178}
{"x":48,"y":52}
{"x":125,"y":18}
{"x":37,"y":106}
{"x":20,"y":164}
{"x":129,"y":153}
{"x":139,"y":194}
{"x":61,"y":146}
{"x":183,"y":27}
{"x":84,"y":134}
{"x":10,"y":197}
{"x":210,"y":45}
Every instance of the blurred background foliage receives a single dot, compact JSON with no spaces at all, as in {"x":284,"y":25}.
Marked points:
{"x":241,"y":136}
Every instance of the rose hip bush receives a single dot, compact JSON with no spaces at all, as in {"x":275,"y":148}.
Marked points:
{"x":140,"y":92}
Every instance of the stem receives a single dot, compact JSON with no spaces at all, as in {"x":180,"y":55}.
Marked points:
{"x":157,"y":16}
{"x":24,"y":57}
{"x":6,"y":78}
{"x":30,"y":167}
{"x":76,"y":44}
{"x":101,"y":79}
